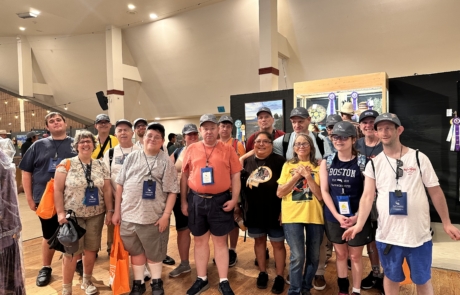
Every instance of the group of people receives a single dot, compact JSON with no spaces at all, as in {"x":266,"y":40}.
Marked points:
{"x":282,"y":185}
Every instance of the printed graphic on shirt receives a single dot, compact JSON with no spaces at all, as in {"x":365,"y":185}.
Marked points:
{"x":260,"y":175}
{"x":301,"y":191}
{"x":341,"y":177}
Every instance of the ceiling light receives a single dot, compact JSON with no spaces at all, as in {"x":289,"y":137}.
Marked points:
{"x":157,"y":118}
{"x":33,"y":113}
{"x":131,"y":7}
{"x":48,"y":111}
{"x":153,"y":16}
{"x":34,"y":12}
{"x":22,"y":28}
{"x":65,"y":107}
{"x":25,"y":15}
{"x":16,"y":116}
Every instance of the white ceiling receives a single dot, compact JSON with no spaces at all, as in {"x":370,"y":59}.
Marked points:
{"x":72,"y":17}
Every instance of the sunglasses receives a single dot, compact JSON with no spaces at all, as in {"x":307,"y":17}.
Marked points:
{"x":338,"y":137}
{"x":399,"y":170}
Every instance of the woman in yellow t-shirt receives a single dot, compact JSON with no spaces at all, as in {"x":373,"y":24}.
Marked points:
{"x":302,"y":213}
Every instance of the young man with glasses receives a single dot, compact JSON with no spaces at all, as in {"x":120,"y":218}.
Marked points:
{"x":400,"y":176}
{"x":105,"y":141}
{"x":140,"y":125}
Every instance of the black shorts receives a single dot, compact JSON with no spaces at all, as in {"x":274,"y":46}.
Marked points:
{"x":181,"y":219}
{"x":207,"y":214}
{"x":334,"y":234}
{"x":49,"y":226}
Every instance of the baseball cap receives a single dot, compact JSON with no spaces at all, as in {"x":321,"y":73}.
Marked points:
{"x":139,"y":120}
{"x":299,"y":112}
{"x":189,"y":128}
{"x":331,"y":120}
{"x":123,"y":121}
{"x":102,"y":117}
{"x":368,"y":114}
{"x":157,"y":126}
{"x":31,"y":134}
{"x":344,"y":128}
{"x":387,"y":117}
{"x":68,"y":237}
{"x":264,"y":109}
{"x":226,"y":119}
{"x":208,"y":118}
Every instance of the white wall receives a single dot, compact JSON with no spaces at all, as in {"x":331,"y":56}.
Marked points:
{"x":9,"y":75}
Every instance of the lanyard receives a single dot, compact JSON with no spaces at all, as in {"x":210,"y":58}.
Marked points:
{"x":87,"y":172}
{"x":124,"y":155}
{"x":153,"y":165}
{"x":56,"y":147}
{"x":207,"y":158}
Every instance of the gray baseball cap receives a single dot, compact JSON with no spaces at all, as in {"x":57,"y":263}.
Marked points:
{"x":387,"y":117}
{"x":331,"y":120}
{"x":189,"y":128}
{"x":299,"y":112}
{"x":139,"y":120}
{"x":264,"y":109}
{"x":208,"y":118}
{"x":31,"y":134}
{"x":68,"y":237}
{"x":123,"y":121}
{"x":344,"y":128}
{"x":102,"y":117}
{"x":226,"y":119}
{"x":368,"y":114}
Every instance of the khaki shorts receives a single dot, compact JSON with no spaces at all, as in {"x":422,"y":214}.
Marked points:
{"x":91,"y":241}
{"x":144,"y":238}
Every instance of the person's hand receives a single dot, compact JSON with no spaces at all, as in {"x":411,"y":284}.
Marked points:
{"x":32,"y":205}
{"x":162,"y":223}
{"x":302,"y":170}
{"x":61,"y":218}
{"x":452,"y":231}
{"x":342,"y":220}
{"x":228,"y":206}
{"x":184,"y":208}
{"x":116,"y":218}
{"x":108,"y":218}
{"x":351,"y":221}
{"x":351,"y":233}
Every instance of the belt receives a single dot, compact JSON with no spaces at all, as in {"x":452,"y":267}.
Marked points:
{"x":209,"y":196}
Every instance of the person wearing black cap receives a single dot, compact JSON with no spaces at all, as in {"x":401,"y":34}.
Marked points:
{"x":402,"y":176}
{"x":147,"y":187}
{"x":105,"y":141}
{"x":140,"y":125}
{"x":265,"y":121}
{"x":31,"y":138}
{"x":331,"y":120}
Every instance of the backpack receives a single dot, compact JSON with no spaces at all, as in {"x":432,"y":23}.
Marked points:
{"x":177,"y":153}
{"x":287,"y":137}
{"x":235,"y":145}
{"x":111,"y":150}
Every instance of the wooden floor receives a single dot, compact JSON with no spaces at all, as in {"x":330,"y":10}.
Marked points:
{"x":242,"y":277}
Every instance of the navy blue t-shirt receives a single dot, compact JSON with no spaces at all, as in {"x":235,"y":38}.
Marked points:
{"x":36,"y":161}
{"x":369,"y":151}
{"x":346,"y":176}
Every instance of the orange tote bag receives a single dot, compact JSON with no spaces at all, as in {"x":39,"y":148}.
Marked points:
{"x":119,"y":265}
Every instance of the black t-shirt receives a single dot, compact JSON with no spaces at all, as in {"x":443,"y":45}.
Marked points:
{"x":37,"y":159}
{"x":369,"y":151}
{"x":264,"y":207}
{"x":25,"y":146}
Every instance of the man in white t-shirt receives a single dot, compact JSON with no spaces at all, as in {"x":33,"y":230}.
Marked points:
{"x":400,"y":175}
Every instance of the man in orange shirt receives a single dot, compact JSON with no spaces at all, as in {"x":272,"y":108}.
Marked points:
{"x":209,"y":169}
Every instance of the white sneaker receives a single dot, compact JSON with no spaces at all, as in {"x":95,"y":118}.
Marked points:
{"x":89,"y":288}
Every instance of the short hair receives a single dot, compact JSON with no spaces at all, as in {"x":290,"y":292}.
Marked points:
{"x":171,"y":136}
{"x":80,"y":136}
{"x":268,"y":135}
{"x":52,"y":115}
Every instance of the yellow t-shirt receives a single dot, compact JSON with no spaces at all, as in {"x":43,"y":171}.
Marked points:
{"x":300,"y":205}
{"x":110,"y":144}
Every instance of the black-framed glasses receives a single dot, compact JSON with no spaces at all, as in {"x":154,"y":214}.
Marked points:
{"x":399,"y":170}
{"x":262,"y":141}
{"x":338,"y":137}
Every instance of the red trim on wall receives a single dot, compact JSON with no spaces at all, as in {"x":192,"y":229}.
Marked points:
{"x":270,"y":70}
{"x":114,"y":91}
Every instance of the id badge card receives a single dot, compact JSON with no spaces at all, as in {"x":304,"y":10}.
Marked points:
{"x":148,"y":190}
{"x":398,"y":203}
{"x":91,"y":196}
{"x":120,"y":160}
{"x":207,"y":176}
{"x":52,"y":164}
{"x":344,"y":205}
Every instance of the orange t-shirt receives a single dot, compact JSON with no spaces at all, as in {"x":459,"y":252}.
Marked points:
{"x":222,"y":159}
{"x":239,"y":146}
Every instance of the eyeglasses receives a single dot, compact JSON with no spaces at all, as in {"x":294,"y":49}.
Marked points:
{"x":399,"y":170}
{"x":301,"y":144}
{"x":139,"y":126}
{"x":154,"y":138}
{"x":103,"y":123}
{"x":85,"y":142}
{"x":263,"y":142}
{"x":338,"y":137}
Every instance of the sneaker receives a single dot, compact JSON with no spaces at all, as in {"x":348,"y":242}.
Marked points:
{"x":278,"y":285}
{"x":287,"y":280}
{"x":262,"y":280}
{"x":180,"y":270}
{"x":232,"y":258}
{"x":147,"y":275}
{"x":138,"y":288}
{"x":198,"y":287}
{"x":44,"y":276}
{"x":66,"y":292}
{"x":368,"y":282}
{"x":79,"y":268}
{"x":157,"y":287}
{"x":256,"y":263}
{"x":224,"y":288}
{"x":379,"y":285}
{"x":349,"y":263}
{"x":319,"y":283}
{"x":89,"y":288}
{"x":169,"y":260}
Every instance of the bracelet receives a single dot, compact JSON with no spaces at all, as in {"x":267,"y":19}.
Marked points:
{"x":113,"y":211}
{"x":169,"y":213}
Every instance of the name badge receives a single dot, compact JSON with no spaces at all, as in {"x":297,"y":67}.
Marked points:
{"x":91,"y":197}
{"x":119,"y":160}
{"x":344,"y":205}
{"x":398,"y":203}
{"x":148,"y":191}
{"x":207,"y":176}
{"x":52,"y":164}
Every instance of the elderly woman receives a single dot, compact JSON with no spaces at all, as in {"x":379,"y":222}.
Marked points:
{"x":342,"y":186}
{"x":264,"y":207}
{"x":302,"y":211}
{"x":85,"y":189}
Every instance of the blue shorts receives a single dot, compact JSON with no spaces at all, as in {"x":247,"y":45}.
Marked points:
{"x":419,"y":260}
{"x":274,"y":234}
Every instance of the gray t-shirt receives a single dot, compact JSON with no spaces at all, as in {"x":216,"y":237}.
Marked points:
{"x":278,"y":146}
{"x":37,"y":160}
{"x":369,"y":151}
{"x":132,"y":175}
